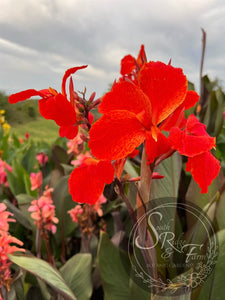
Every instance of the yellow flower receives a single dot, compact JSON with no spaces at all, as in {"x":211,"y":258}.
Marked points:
{"x":2,"y":119}
{"x":6,"y":127}
{"x":2,"y":111}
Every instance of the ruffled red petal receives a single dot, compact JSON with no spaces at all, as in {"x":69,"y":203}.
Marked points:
{"x":86,"y":183}
{"x":128,"y":63}
{"x":24,"y":95}
{"x":69,"y":132}
{"x":59,"y":109}
{"x":67,"y":74}
{"x":191,"y":99}
{"x":193,"y":140}
{"x":204,"y":168}
{"x":174,"y":120}
{"x":127,"y":96}
{"x":193,"y":126}
{"x":190,"y":145}
{"x":154,"y":148}
{"x":165,"y":86}
{"x":115,"y":135}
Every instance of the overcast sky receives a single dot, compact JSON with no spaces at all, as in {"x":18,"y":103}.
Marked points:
{"x":40,"y":39}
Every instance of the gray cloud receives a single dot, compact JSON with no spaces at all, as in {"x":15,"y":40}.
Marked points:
{"x":39,"y":39}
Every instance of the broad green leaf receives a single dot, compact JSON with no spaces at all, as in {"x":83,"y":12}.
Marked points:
{"x":20,"y":217}
{"x":77,"y":274}
{"x":136,"y":292}
{"x":59,"y":155}
{"x":29,"y":159}
{"x":63,"y":203}
{"x":214,"y":287}
{"x":194,"y":195}
{"x":44,"y":271}
{"x":16,"y":178}
{"x":129,"y":168}
{"x":16,"y":288}
{"x":114,"y":269}
{"x":220,"y":211}
{"x":168,"y":186}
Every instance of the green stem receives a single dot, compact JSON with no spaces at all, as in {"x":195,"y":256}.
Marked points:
{"x":143,"y":197}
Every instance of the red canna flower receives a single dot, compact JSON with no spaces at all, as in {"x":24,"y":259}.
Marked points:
{"x":55,"y":106}
{"x":195,"y":143}
{"x":87,"y":182}
{"x":134,"y":113}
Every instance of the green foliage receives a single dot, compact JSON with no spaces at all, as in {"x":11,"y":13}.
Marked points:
{"x":44,"y":271}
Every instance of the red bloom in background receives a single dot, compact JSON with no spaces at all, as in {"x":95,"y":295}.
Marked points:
{"x":135,"y":113}
{"x":55,"y":106}
{"x":195,"y":143}
{"x":86,"y":183}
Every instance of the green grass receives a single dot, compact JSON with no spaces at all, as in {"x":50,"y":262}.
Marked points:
{"x":39,"y":130}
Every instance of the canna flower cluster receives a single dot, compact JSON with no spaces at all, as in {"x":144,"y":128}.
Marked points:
{"x":149,"y":100}
{"x":145,"y":106}
{"x":43,"y":212}
{"x":6,"y":247}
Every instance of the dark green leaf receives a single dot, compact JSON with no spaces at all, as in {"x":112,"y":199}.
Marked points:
{"x":77,"y":274}
{"x":168,"y":186}
{"x":44,"y":271}
{"x":114,"y":269}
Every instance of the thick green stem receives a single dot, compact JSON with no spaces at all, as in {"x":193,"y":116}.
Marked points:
{"x":145,"y":237}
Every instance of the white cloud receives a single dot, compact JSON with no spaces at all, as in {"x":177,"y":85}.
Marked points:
{"x":39,"y":39}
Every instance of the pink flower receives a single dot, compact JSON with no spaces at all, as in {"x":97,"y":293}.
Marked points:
{"x":43,"y":212}
{"x":3,"y":175}
{"x":74,"y":144}
{"x":4,"y":218}
{"x":42,"y":158}
{"x":80,"y":159}
{"x":36,"y":180}
{"x":76,"y":212}
{"x":97,"y":206}
{"x":5,"y":247}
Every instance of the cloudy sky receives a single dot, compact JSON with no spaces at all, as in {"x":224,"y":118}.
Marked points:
{"x":40,"y":39}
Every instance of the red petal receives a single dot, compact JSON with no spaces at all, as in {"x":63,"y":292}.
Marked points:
{"x":204,"y":168}
{"x":174,"y":120}
{"x":67,"y":74}
{"x":115,"y":135}
{"x":69,"y":132}
{"x":127,"y":65}
{"x":191,"y":99}
{"x":127,"y":96}
{"x":190,"y":145}
{"x":195,"y":127}
{"x":59,"y":109}
{"x":24,"y":95}
{"x":86,"y":183}
{"x":165,"y":86}
{"x":155,"y":149}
